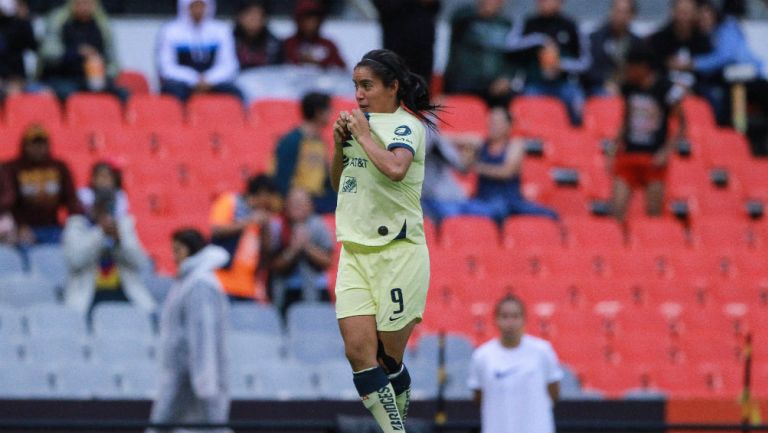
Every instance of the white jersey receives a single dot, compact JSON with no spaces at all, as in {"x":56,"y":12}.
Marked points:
{"x":514,"y":383}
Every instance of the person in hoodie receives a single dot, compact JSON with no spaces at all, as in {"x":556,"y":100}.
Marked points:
{"x":196,"y":53}
{"x":193,"y":380}
{"x":307,"y":46}
{"x":42,"y":186}
{"x":104,"y":257}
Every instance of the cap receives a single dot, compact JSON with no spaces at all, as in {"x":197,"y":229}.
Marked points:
{"x":35,"y":132}
{"x":308,"y":7}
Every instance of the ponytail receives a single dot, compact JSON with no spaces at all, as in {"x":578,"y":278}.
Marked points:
{"x":413,"y":91}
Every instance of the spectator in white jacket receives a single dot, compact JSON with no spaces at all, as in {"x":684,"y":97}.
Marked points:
{"x":196,"y":53}
{"x":105,"y":258}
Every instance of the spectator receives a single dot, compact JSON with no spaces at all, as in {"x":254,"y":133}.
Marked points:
{"x":7,"y":198}
{"x":731,"y":48}
{"x":557,"y":55}
{"x":641,"y":154}
{"x":477,"y":61}
{"x":307,"y":47}
{"x":608,"y":46}
{"x":302,"y":254}
{"x":516,"y":377}
{"x":78,"y":53}
{"x":105,"y":176}
{"x":409,"y":28}
{"x":498,"y":166}
{"x":193,"y":340}
{"x":242,"y":224}
{"x":104,"y":256}
{"x":440,"y":189}
{"x":16,"y":38}
{"x":42,"y":187}
{"x":196,"y":53}
{"x":301,"y":155}
{"x":254,"y":43}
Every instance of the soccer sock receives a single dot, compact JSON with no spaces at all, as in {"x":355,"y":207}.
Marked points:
{"x":401,"y":383}
{"x":379,"y":398}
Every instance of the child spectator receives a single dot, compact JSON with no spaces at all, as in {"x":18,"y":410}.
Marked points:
{"x":301,"y":156}
{"x":78,"y":52}
{"x":307,"y":46}
{"x":254,"y":43}
{"x":302,"y":253}
{"x":105,"y":176}
{"x":105,"y":257}
{"x":196,"y":53}
{"x":641,"y":153}
{"x":42,"y":186}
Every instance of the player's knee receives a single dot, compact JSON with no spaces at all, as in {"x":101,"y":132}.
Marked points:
{"x":360,"y":355}
{"x":390,"y":364}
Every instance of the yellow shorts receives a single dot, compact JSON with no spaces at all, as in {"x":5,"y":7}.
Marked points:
{"x":389,"y":282}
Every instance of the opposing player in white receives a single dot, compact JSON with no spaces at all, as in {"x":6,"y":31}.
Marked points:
{"x":516,"y":377}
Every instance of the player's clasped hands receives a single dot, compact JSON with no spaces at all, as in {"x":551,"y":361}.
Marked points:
{"x":354,"y":123}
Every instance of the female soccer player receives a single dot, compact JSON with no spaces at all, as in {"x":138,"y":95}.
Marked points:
{"x":378,"y":171}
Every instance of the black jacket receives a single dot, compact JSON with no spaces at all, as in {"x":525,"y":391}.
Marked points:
{"x":605,"y":50}
{"x":16,"y":36}
{"x":408,"y":28}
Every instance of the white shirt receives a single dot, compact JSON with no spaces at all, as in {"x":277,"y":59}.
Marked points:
{"x":514,"y":383}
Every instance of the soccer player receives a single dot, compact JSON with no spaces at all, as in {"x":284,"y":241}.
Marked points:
{"x":378,"y":171}
{"x":516,"y":377}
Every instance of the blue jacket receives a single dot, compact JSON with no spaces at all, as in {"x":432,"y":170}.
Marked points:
{"x":730,"y":48}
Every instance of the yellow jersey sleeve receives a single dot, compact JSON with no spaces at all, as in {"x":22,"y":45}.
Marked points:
{"x":372,"y":209}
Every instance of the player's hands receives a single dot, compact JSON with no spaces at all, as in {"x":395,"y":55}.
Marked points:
{"x":340,"y":131}
{"x":357,"y":124}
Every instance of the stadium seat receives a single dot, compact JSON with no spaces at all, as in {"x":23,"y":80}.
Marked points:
{"x":286,"y":381}
{"x":94,"y":111}
{"x":530,"y":112}
{"x":26,"y":108}
{"x":215,"y":112}
{"x":252,"y":148}
{"x":463,"y":114}
{"x":255,"y":318}
{"x":275,"y":116}
{"x":83,"y":382}
{"x":424,"y":383}
{"x":468,"y":233}
{"x":133,"y":81}
{"x":158,"y":286}
{"x":753,"y":183}
{"x":254,"y":350}
{"x":699,"y":113}
{"x":603,"y":116}
{"x":52,"y":351}
{"x":122,"y":350}
{"x":305,"y":317}
{"x":25,"y":382}
{"x":121,"y":318}
{"x":334,"y":381}
{"x":722,"y":234}
{"x":456,"y":387}
{"x":10,"y":323}
{"x":140,"y":382}
{"x":657,"y":234}
{"x":49,"y":262}
{"x":725,"y":148}
{"x":154,"y":112}
{"x":51,"y":320}
{"x":10,"y":261}
{"x":567,"y":202}
{"x":241,"y":384}
{"x":529,"y":232}
{"x":23,"y":290}
{"x":315,"y":347}
{"x":458,"y":348}
{"x":573,"y":149}
{"x":595,"y":234}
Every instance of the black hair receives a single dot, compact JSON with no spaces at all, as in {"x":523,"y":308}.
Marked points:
{"x":190,"y":238}
{"x":734,"y":8}
{"x":260,"y":183}
{"x":313,"y":103}
{"x":413,"y":91}
{"x":244,"y":5}
{"x":114,"y":171}
{"x":640,"y":54}
{"x":509,"y":298}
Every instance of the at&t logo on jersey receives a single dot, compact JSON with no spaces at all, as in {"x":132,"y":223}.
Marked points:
{"x":403,"y":130}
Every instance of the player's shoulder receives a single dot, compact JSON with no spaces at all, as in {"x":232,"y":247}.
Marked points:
{"x":536,"y":343}
{"x":489,"y":348}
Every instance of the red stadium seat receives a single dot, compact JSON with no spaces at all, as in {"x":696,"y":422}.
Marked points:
{"x":538,"y":116}
{"x":698,"y":113}
{"x":722,"y":234}
{"x":463,"y":113}
{"x":528,"y":233}
{"x":154,"y":111}
{"x":725,"y":148}
{"x":215,"y":112}
{"x":657,"y":234}
{"x":751,"y":176}
{"x":596,"y":234}
{"x":277,"y":116}
{"x":603,"y":116}
{"x":94,"y":111}
{"x":133,"y":81}
{"x":572,"y":149}
{"x":26,"y":108}
{"x":430,"y":232}
{"x":468,"y":233}
{"x":567,"y":202}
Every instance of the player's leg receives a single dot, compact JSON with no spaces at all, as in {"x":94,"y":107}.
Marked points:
{"x":390,"y":355}
{"x":371,"y":381}
{"x":622,"y":194}
{"x":654,"y":198}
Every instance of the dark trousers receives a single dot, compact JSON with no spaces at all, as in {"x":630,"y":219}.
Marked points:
{"x":183,"y":91}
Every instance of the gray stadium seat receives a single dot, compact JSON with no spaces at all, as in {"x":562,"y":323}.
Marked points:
{"x":570,"y":385}
{"x":140,"y":381}
{"x":49,"y":262}
{"x":52,"y":320}
{"x":53,"y":351}
{"x":251,"y":317}
{"x":242,"y":385}
{"x":10,"y":352}
{"x":335,"y":381}
{"x":457,"y":349}
{"x":158,"y":286}
{"x":315,"y":347}
{"x":25,"y":382}
{"x":87,"y":382}
{"x":121,"y":318}
{"x":645,"y":394}
{"x":253,"y":349}
{"x":11,"y":261}
{"x":312,"y":317}
{"x":121,"y":350}
{"x":10,"y":323}
{"x":586,"y":394}
{"x":456,"y":382}
{"x":23,"y":290}
{"x":423,"y":382}
{"x":286,"y":381}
